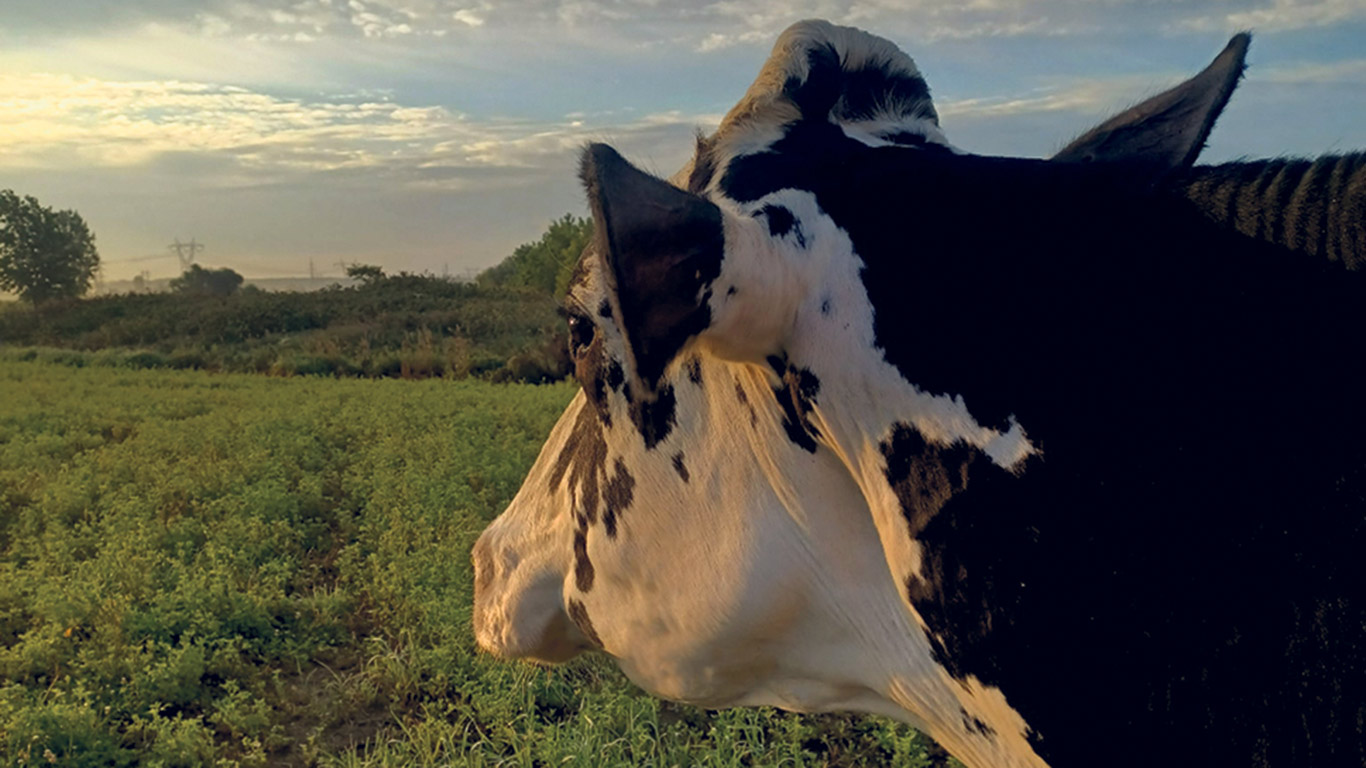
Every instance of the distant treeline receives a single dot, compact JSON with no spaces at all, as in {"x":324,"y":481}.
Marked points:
{"x":504,"y":327}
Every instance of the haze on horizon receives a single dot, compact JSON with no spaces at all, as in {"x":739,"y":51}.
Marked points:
{"x":436,"y":135}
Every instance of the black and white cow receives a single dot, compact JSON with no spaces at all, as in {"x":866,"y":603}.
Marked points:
{"x":1030,"y":454}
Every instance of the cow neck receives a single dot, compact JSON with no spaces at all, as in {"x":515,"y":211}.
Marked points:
{"x":896,"y":664}
{"x":838,"y":396}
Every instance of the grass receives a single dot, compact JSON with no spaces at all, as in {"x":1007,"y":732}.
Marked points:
{"x":219,"y":569}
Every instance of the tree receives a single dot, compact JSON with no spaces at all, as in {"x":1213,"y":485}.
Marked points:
{"x":365,"y":273}
{"x":207,"y":282}
{"x":44,"y":254}
{"x":546,"y":264}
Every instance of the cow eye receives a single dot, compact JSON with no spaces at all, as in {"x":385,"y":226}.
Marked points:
{"x":580,"y":333}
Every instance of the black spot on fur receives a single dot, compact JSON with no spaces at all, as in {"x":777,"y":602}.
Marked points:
{"x":923,"y":475}
{"x":825,"y":306}
{"x":655,"y":418}
{"x":617,"y":497}
{"x":941,"y":657}
{"x":694,"y":368}
{"x":605,"y":310}
{"x":583,"y":460}
{"x":797,"y":396}
{"x":974,"y":724}
{"x":583,"y":568}
{"x":615,"y":375}
{"x":679,"y":467}
{"x":780,"y":219}
{"x":744,"y":400}
{"x":731,"y":291}
{"x":579,"y":615}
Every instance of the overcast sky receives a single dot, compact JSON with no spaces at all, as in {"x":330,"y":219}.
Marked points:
{"x":439,"y":134}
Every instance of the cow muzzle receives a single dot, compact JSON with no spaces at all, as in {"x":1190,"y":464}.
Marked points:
{"x":519,"y":608}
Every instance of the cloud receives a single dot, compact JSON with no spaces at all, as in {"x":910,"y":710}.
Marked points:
{"x":1348,"y":71}
{"x":60,"y":122}
{"x":1079,"y":95}
{"x":1281,"y":16}
{"x":708,"y":25}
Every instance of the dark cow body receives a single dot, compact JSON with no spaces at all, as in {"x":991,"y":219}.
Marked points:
{"x":1177,"y":577}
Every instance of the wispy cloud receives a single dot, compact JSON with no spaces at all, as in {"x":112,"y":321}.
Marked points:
{"x":710,"y":25}
{"x":1280,"y":16}
{"x":60,"y":121}
{"x":1080,"y":95}
{"x":1348,"y":71}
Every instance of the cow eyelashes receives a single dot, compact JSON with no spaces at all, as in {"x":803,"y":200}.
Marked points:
{"x":580,"y":333}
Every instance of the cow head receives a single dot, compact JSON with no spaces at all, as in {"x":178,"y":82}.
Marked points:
{"x":729,"y":506}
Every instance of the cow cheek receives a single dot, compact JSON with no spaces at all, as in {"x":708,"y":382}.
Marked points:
{"x":703,"y":630}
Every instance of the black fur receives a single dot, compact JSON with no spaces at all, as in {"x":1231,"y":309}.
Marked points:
{"x":744,"y":400}
{"x":583,"y":567}
{"x":694,"y":368}
{"x":1316,"y":207}
{"x":654,"y":419}
{"x":617,"y":496}
{"x":780,"y":219}
{"x":579,"y":615}
{"x":852,"y":95}
{"x":797,"y":396}
{"x":1178,"y":577}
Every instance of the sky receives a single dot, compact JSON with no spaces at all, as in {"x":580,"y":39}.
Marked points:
{"x":437,"y":135}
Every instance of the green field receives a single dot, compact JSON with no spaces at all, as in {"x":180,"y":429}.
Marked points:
{"x":224,"y":569}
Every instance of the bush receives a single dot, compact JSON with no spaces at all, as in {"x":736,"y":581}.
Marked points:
{"x":144,"y":359}
{"x":422,"y":325}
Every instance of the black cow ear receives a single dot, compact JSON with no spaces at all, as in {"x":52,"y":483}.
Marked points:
{"x":664,"y":247}
{"x":1167,"y":132}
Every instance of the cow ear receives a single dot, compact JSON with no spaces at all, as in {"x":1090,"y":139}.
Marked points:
{"x":664,"y":248}
{"x":1167,"y":132}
